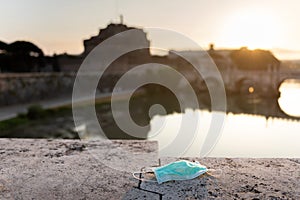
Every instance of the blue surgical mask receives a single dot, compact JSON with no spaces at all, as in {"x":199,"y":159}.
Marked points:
{"x":179,"y":170}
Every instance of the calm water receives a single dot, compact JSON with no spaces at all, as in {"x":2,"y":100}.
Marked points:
{"x":242,"y":135}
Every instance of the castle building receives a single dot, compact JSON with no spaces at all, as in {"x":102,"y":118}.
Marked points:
{"x":109,"y":31}
{"x":72,"y":63}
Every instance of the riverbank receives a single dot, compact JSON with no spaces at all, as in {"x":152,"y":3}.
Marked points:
{"x":8,"y":112}
{"x":54,"y":118}
{"x":69,"y":169}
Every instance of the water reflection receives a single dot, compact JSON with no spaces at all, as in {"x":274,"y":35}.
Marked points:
{"x":242,"y":136}
{"x":290,"y":97}
{"x":255,"y":126}
{"x":237,"y":104}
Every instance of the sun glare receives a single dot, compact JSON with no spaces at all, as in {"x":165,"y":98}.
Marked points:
{"x":251,"y":29}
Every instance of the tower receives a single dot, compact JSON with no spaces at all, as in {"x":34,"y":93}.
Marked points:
{"x":121,"y":19}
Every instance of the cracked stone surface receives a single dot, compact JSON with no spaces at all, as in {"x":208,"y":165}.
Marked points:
{"x":73,"y":169}
{"x":239,"y":179}
{"x":79,"y":169}
{"x":137,"y":193}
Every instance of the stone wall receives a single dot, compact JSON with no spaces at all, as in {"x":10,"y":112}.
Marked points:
{"x":30,"y":87}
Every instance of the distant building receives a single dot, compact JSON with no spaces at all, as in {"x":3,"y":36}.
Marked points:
{"x":257,"y":59}
{"x":72,"y":63}
{"x":110,"y":30}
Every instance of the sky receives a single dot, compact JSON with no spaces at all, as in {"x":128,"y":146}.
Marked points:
{"x":59,"y":26}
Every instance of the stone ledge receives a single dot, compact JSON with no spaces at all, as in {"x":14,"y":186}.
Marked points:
{"x":72,"y":169}
{"x":240,"y":178}
{"x":79,"y":169}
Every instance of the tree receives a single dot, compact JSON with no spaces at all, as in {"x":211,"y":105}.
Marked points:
{"x":3,"y":47}
{"x":24,"y":57}
{"x":3,"y":56}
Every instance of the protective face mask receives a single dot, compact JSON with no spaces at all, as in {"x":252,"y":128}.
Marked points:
{"x":179,"y":170}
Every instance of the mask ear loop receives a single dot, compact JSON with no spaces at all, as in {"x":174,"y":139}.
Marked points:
{"x":143,"y":171}
{"x":214,"y":172}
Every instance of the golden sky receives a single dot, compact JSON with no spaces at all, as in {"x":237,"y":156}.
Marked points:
{"x":60,"y":26}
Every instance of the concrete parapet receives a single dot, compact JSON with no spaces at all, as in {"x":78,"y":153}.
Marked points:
{"x":79,"y":169}
{"x":68,"y":169}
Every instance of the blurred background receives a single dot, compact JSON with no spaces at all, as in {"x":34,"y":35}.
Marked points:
{"x":254,"y":45}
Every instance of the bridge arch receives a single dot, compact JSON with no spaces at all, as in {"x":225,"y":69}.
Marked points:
{"x":289,"y":97}
{"x":247,"y":86}
{"x":284,"y":80}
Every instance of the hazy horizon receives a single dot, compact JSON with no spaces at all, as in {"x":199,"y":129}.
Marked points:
{"x":59,"y":27}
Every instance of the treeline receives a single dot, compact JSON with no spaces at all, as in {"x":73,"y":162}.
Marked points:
{"x":23,"y":56}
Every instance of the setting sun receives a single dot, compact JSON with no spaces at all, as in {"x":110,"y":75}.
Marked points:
{"x":251,"y":29}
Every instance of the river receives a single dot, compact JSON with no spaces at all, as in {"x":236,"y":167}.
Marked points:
{"x":252,"y":127}
{"x":242,"y":135}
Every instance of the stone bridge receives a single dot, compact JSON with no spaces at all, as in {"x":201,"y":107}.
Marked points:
{"x":235,"y":80}
{"x":19,"y":88}
{"x":262,"y":82}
